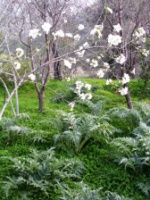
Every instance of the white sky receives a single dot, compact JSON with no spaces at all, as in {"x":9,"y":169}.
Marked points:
{"x":85,"y":2}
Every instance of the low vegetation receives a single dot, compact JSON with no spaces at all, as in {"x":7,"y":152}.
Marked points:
{"x":98,"y":151}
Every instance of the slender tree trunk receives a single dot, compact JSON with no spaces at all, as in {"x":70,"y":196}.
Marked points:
{"x":8,"y":94}
{"x":41,"y":100}
{"x":129,"y":101}
{"x":16,"y":95}
{"x":123,"y":67}
{"x":57,"y":65}
{"x":10,"y":97}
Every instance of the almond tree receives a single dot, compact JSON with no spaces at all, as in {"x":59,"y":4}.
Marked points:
{"x":39,"y":27}
{"x":129,"y":22}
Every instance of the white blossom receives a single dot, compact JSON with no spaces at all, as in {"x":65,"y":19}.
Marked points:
{"x":88,"y":86}
{"x":69,"y":35}
{"x":123,"y":91}
{"x":77,"y":37}
{"x":86,"y":45}
{"x":108,"y":81}
{"x":19,"y":52}
{"x":67,"y":63}
{"x":117,"y":28}
{"x":80,"y":27}
{"x":32,"y":77}
{"x":100,"y":73}
{"x":125,"y":79}
{"x":82,"y":96}
{"x":71,"y":105}
{"x":143,"y":39}
{"x":94,"y":63}
{"x":59,"y":33}
{"x":106,"y":65}
{"x":133,"y":71}
{"x":88,"y":96}
{"x":80,"y":52}
{"x":114,"y":40}
{"x":73,"y":60}
{"x":33,"y":33}
{"x":65,"y":21}
{"x":17,"y":65}
{"x":79,"y":85}
{"x":120,"y":59}
{"x":97,"y":30}
{"x":87,"y":60}
{"x":145,"y":52}
{"x":46,"y":27}
{"x":140,"y":32}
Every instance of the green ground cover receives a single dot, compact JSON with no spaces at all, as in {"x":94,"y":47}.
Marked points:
{"x":92,"y":134}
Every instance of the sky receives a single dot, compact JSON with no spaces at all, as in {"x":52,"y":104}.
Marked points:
{"x":85,"y":2}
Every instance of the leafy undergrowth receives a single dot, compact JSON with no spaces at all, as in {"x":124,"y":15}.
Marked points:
{"x":99,"y":151}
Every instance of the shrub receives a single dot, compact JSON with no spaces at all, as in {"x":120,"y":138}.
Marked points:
{"x":80,"y":130}
{"x":41,"y":174}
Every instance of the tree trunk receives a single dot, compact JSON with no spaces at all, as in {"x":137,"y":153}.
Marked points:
{"x":123,"y":51}
{"x":16,"y":95}
{"x":41,"y":100}
{"x":9,"y":98}
{"x":57,"y":65}
{"x":57,"y":72}
{"x":129,"y":101}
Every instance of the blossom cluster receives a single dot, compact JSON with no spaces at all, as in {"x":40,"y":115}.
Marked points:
{"x":46,"y":27}
{"x":139,"y":35}
{"x":32,"y":77}
{"x":69,"y":62}
{"x":114,"y":40}
{"x":81,"y":88}
{"x":120,"y":59}
{"x":125,"y":80}
{"x":97,"y":30}
{"x":19,"y":54}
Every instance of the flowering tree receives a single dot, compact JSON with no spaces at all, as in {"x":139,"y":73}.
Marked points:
{"x":126,"y":25}
{"x":10,"y":63}
{"x":45,"y":38}
{"x":10,"y":69}
{"x":133,"y":41}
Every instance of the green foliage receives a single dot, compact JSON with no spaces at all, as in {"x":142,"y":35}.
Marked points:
{"x":134,"y":151}
{"x":143,"y":108}
{"x":40,"y":173}
{"x":114,"y":196}
{"x":145,"y":74}
{"x":83,"y":192}
{"x":80,"y":130}
{"x":139,"y":90}
{"x":125,"y":119}
{"x":96,"y":109}
{"x":80,"y":192}
{"x":145,"y":188}
{"x":11,"y":131}
{"x":98,"y":155}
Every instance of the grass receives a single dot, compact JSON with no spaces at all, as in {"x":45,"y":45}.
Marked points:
{"x":101,"y":171}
